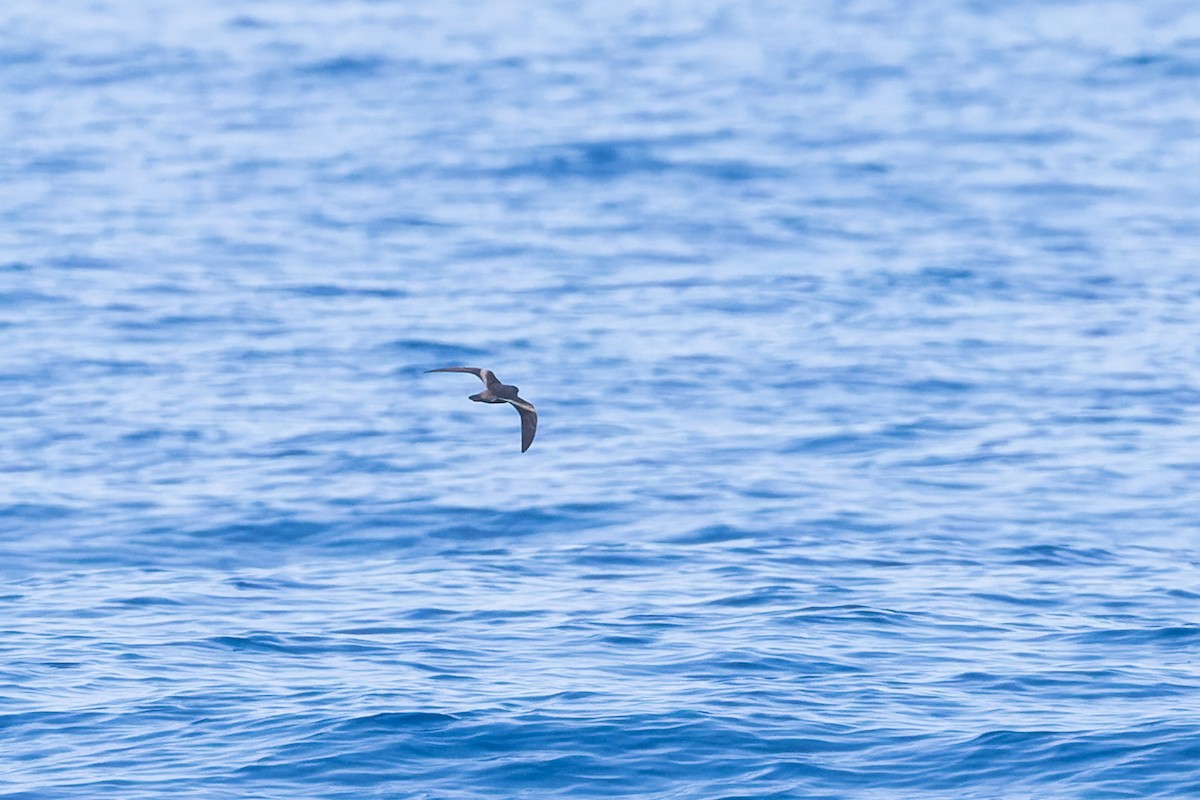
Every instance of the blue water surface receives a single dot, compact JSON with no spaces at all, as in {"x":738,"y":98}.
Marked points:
{"x":865,"y":338}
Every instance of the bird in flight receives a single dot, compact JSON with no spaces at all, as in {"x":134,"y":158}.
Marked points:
{"x":496,"y":392}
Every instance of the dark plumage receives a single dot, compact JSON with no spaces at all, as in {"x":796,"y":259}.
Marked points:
{"x":496,"y":392}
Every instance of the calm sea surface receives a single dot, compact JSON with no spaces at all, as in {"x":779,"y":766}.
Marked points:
{"x":865,"y":338}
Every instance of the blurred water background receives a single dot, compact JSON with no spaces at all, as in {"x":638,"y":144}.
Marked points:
{"x":864,"y":337}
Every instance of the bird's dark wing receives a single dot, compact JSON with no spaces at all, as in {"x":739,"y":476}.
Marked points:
{"x":476,"y":371}
{"x":528,"y":422}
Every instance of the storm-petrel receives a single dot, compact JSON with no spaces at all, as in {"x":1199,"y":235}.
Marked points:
{"x":496,"y":392}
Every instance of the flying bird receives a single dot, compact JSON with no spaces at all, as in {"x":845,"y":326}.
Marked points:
{"x":496,"y":392}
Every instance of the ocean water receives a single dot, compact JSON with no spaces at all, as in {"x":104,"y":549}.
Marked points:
{"x":865,"y":338}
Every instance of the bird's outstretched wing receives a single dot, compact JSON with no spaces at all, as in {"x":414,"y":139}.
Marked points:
{"x":486,"y":375}
{"x":528,"y":421}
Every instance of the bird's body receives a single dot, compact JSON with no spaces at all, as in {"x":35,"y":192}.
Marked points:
{"x":496,"y":392}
